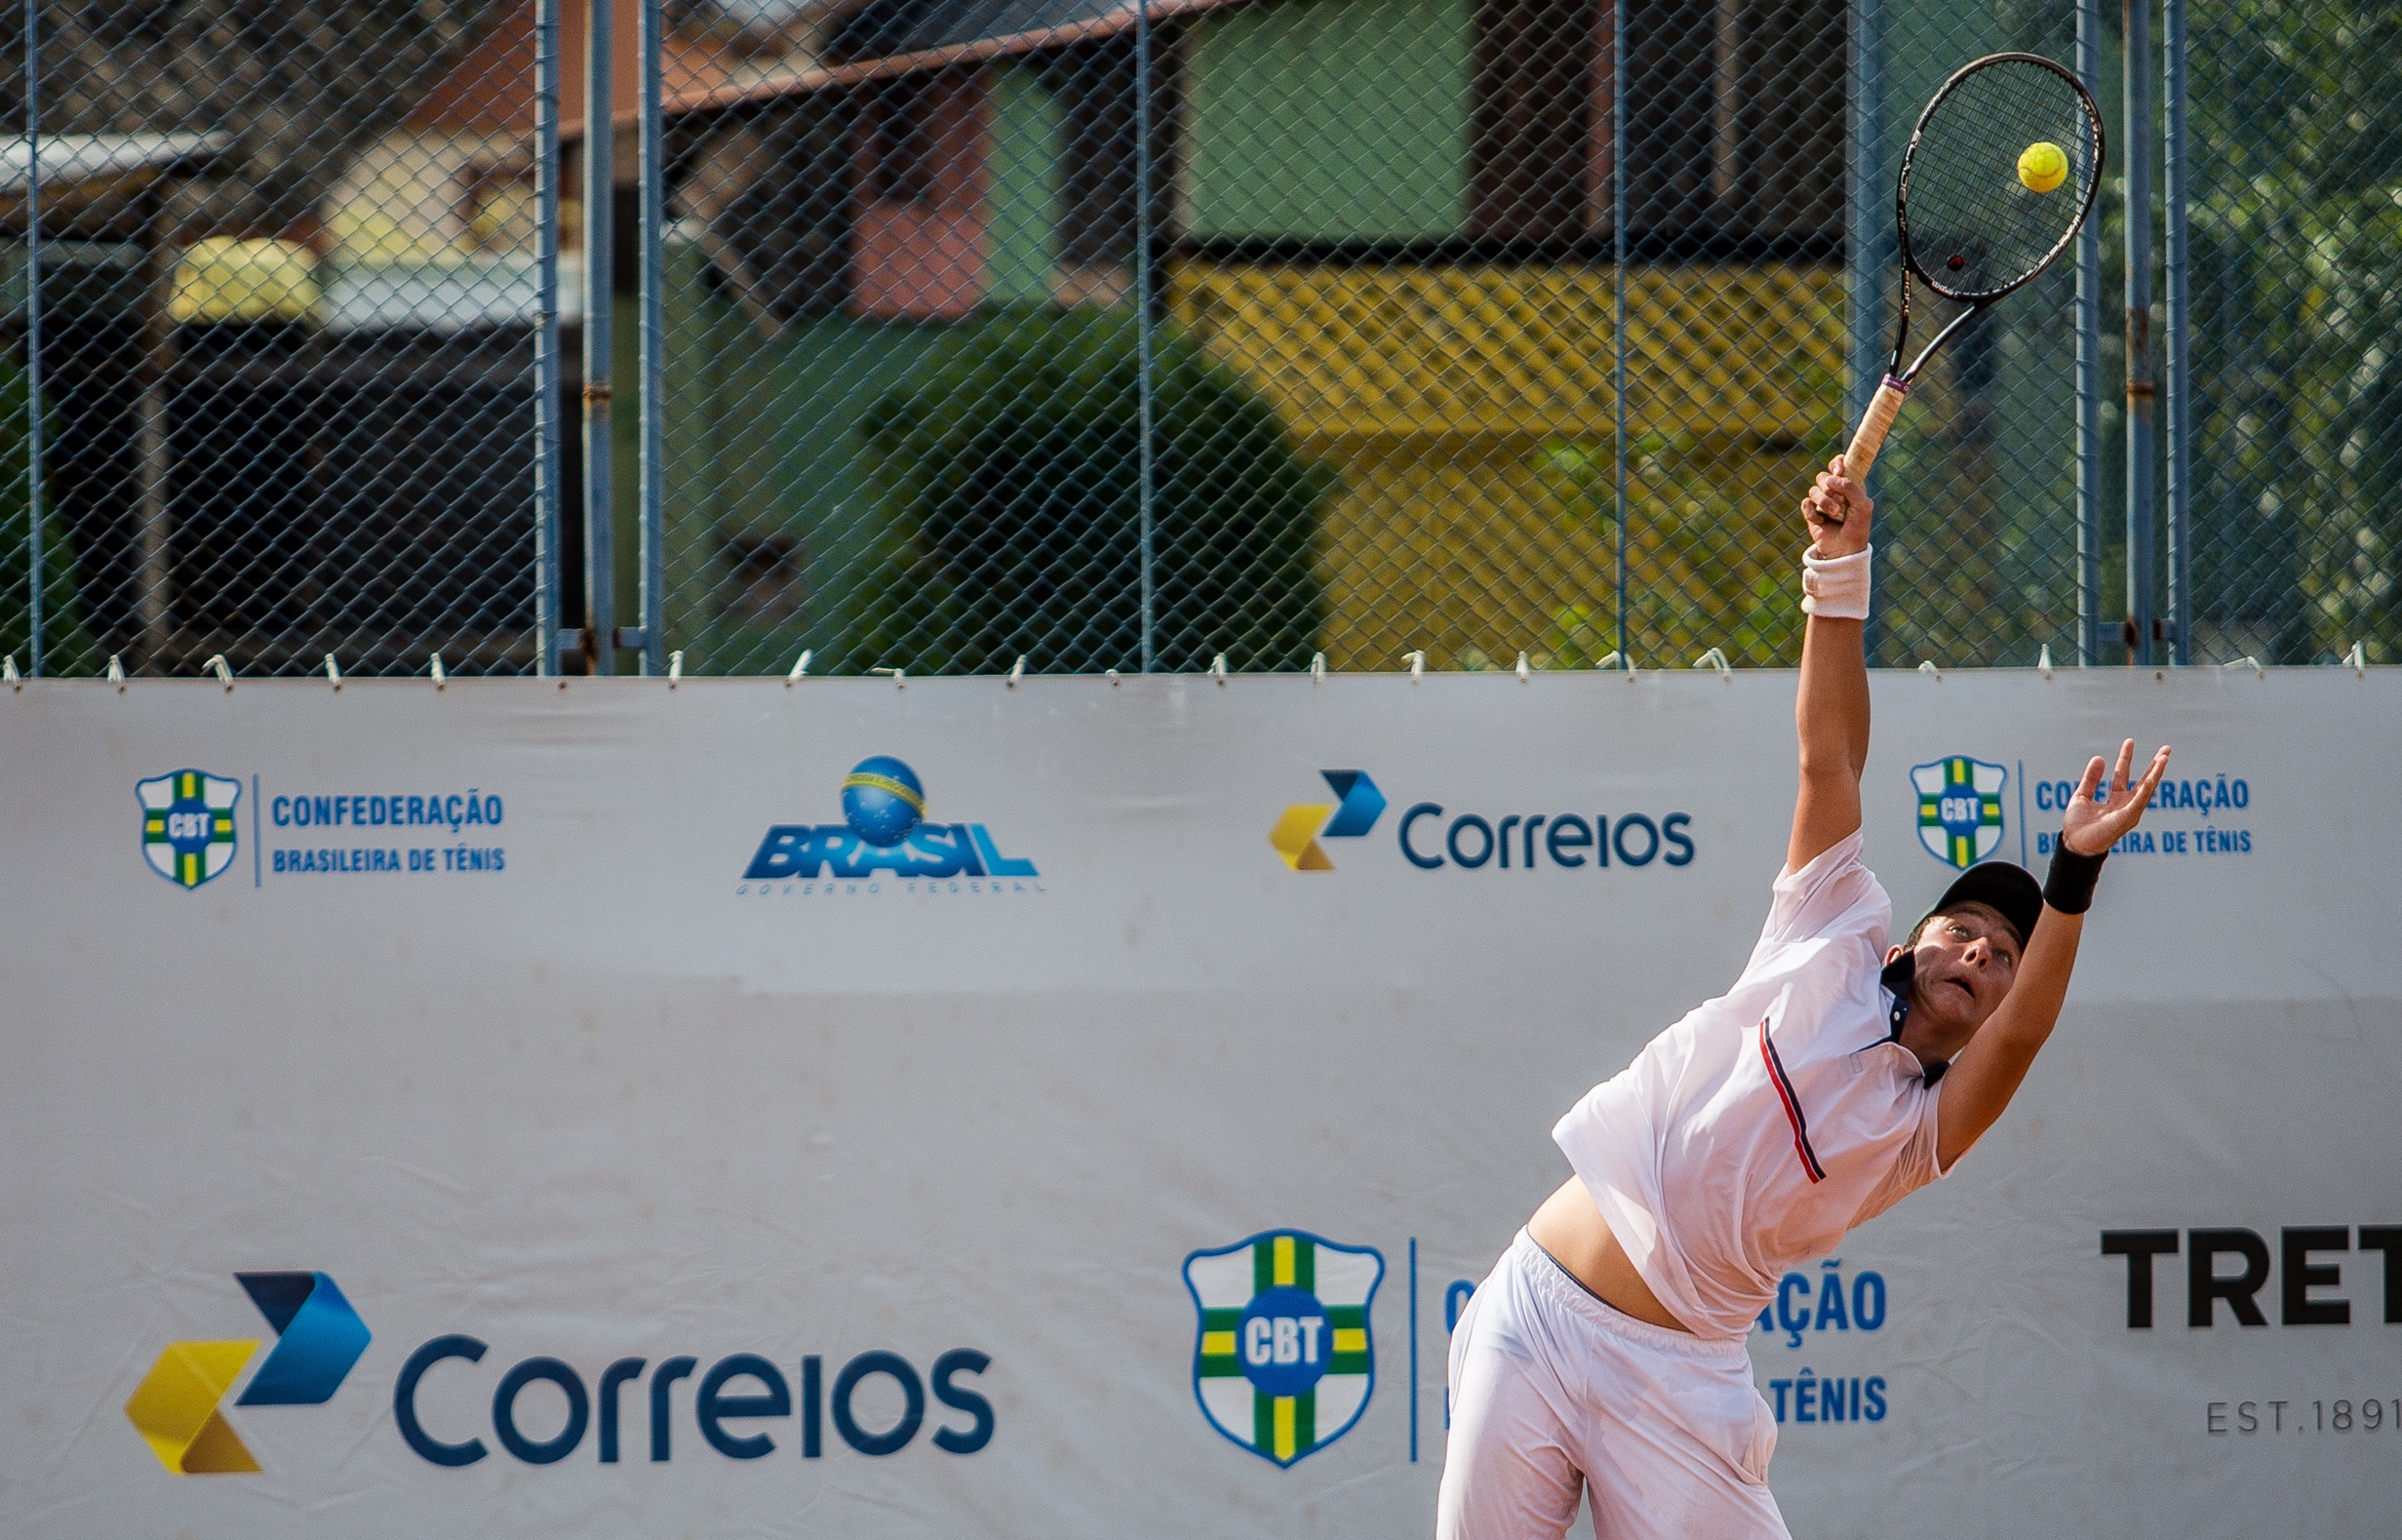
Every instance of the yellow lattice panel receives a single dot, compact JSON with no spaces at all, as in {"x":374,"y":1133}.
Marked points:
{"x":1524,"y":352}
{"x":1457,"y":550}
{"x":1469,"y":551}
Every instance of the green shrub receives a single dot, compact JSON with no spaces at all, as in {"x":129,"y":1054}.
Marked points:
{"x":1009,"y":469}
{"x":1709,"y":556}
{"x":65,"y":648}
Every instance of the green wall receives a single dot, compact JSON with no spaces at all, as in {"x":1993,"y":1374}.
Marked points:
{"x":763,"y":438}
{"x":1329,"y":120}
{"x":1023,"y":182}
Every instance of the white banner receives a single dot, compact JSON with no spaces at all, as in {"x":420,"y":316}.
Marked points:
{"x":1079,"y":1109}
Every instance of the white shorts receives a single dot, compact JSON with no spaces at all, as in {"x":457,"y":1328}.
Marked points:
{"x":1552,"y":1391}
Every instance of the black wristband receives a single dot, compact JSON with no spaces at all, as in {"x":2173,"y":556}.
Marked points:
{"x":2069,"y":887}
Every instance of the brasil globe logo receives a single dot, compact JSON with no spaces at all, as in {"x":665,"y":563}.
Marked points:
{"x":882,"y":801}
{"x":884,"y":831}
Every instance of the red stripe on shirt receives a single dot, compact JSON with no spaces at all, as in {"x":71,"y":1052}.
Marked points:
{"x":1793,"y":1106}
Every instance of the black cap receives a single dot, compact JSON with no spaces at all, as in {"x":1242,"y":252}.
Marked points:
{"x":2007,"y":889}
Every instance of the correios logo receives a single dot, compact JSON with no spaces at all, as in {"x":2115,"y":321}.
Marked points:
{"x":179,"y":1409}
{"x":740,"y":1388}
{"x":176,"y":1408}
{"x":1432,"y":837}
{"x":1356,"y":807}
{"x":884,"y":834}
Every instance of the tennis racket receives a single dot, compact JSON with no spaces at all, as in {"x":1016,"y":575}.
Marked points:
{"x":2001,"y":173}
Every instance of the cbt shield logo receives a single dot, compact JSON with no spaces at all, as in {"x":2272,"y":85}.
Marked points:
{"x":187,"y":825}
{"x":176,"y":1407}
{"x":1283,"y":1363}
{"x":1960,"y":809}
{"x":1356,"y":807}
{"x":884,"y":829}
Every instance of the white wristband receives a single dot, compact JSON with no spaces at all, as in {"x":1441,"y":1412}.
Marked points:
{"x":1836,"y":589}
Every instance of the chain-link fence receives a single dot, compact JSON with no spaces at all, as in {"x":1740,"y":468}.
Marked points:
{"x":1124,"y":335}
{"x":273,"y":288}
{"x":2297,"y":279}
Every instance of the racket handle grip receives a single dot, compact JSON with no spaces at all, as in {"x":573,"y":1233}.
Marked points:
{"x":1882,"y":408}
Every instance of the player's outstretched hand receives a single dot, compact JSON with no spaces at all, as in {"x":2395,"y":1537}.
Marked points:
{"x":1838,"y":511}
{"x":2090,"y":827}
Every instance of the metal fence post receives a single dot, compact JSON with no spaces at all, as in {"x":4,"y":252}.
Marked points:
{"x":2089,"y":378}
{"x":33,"y":332}
{"x":2179,"y":331}
{"x":1618,"y":306}
{"x":548,"y":455}
{"x":653,"y":404}
{"x":2138,"y":162}
{"x":1144,"y":451}
{"x":1866,"y":235}
{"x":600,"y":187}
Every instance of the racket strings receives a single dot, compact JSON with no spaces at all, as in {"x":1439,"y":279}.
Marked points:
{"x":1972,"y":227}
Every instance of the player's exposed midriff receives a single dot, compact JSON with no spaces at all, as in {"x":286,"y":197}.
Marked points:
{"x":1572,"y":1230}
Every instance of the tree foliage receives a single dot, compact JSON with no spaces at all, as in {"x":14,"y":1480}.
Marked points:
{"x":2296,"y":237}
{"x":1011,"y":466}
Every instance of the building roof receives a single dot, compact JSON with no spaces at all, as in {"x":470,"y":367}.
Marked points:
{"x":91,"y":182}
{"x":887,"y":38}
{"x":886,"y":27}
{"x":490,"y":87}
{"x":73,"y":161}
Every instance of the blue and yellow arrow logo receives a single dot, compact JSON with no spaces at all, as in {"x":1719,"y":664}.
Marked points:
{"x":178,"y":1405}
{"x":1353,"y":813}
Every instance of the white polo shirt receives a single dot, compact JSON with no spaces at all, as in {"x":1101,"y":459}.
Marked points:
{"x":1746,"y":1139}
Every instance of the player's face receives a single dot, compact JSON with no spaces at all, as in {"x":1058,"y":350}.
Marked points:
{"x":1966,"y":960}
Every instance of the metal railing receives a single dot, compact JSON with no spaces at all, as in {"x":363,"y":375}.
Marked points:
{"x":1105,"y":335}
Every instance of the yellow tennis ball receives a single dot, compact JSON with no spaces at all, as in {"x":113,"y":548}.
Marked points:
{"x":2042,"y":166}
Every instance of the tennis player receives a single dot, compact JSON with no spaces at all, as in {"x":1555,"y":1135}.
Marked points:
{"x":1606,"y":1351}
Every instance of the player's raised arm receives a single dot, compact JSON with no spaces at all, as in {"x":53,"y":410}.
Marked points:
{"x":1831,"y":710}
{"x":1986,"y":1073}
